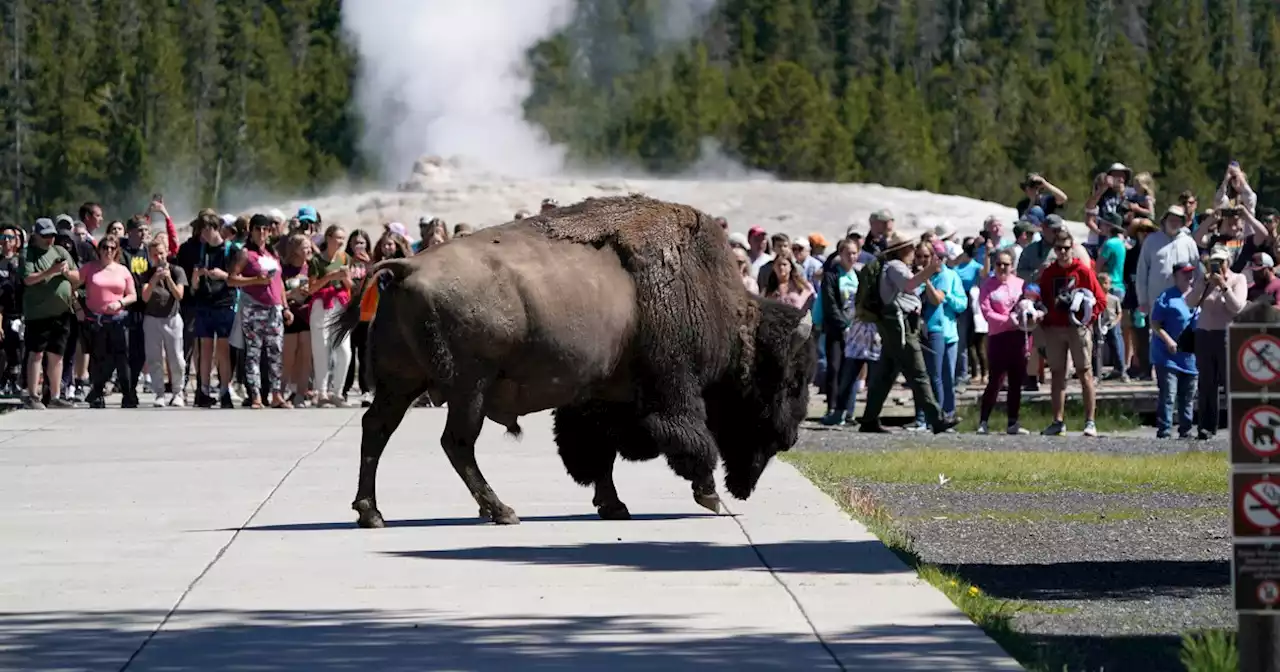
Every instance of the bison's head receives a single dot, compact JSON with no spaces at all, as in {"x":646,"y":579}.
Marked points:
{"x":757,"y":410}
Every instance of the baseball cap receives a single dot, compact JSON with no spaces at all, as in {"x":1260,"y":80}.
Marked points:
{"x":1055,"y":222}
{"x":1034,"y":215}
{"x":307,"y":214}
{"x":44,"y":227}
{"x":756,"y":230}
{"x":1185,"y":267}
{"x":801,"y":242}
{"x":1176,"y":211}
{"x":64,"y":222}
{"x":817,"y":240}
{"x":1023,"y":227}
{"x":1262,"y":260}
{"x":1031,"y":288}
{"x":885,"y":215}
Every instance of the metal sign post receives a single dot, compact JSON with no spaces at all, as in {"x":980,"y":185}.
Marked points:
{"x":1253,"y":406}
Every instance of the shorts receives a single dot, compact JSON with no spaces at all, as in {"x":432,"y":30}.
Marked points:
{"x":301,"y":322}
{"x":214,"y":322}
{"x":1058,"y":341}
{"x":48,"y":334}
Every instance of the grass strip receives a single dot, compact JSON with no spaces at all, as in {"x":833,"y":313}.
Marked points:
{"x":1192,"y":472}
{"x":1044,"y":516}
{"x":1110,"y":417}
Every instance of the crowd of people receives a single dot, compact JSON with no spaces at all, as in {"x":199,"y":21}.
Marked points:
{"x":86,"y":309}
{"x":1150,"y":292}
{"x":90,"y":307}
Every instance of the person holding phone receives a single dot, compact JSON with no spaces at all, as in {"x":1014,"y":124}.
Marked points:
{"x":49,"y":276}
{"x":256,"y":272}
{"x":1220,"y":295}
{"x":163,"y":286}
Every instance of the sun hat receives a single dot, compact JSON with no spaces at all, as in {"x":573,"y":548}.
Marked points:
{"x":898,"y":240}
{"x":945,"y":231}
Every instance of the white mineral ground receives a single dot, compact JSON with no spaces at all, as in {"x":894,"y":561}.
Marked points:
{"x":447,"y":189}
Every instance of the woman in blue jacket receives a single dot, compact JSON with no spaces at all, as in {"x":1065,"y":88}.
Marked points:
{"x":944,"y":299}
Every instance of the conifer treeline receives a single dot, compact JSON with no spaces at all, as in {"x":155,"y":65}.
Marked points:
{"x":116,"y":98}
{"x":957,"y":96}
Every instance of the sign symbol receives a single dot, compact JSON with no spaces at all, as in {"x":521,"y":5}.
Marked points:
{"x":1259,"y":360}
{"x":1258,"y":430}
{"x":1268,"y":592}
{"x":1261,"y":501}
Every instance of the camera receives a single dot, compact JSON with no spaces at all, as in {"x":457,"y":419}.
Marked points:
{"x":1228,"y":212}
{"x":1215,"y":267}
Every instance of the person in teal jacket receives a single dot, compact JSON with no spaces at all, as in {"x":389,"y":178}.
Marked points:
{"x":944,"y":299}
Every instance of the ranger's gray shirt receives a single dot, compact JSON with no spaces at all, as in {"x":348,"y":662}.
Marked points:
{"x":893,"y":287}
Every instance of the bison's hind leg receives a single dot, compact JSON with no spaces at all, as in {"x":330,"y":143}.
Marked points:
{"x":589,"y":436}
{"x":462,"y":427}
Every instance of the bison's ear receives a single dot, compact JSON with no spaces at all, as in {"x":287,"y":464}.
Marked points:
{"x":801,"y":334}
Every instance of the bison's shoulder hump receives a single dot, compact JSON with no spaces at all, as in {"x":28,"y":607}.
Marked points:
{"x":636,"y":225}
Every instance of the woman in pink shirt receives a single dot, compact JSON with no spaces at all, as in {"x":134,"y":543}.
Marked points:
{"x":256,"y":271}
{"x":1007,"y":344}
{"x":787,"y":283}
{"x":108,"y":289}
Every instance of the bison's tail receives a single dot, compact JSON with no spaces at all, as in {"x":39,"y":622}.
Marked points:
{"x":386,"y":273}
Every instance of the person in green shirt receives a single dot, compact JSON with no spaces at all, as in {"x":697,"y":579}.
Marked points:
{"x":49,"y":276}
{"x":1111,"y":253}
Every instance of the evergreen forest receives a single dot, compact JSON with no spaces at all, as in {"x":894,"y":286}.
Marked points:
{"x":105,"y":99}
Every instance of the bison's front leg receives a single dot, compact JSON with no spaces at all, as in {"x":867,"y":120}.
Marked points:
{"x":461,"y":429}
{"x":589,"y":437}
{"x":380,"y":422}
{"x":683,"y":437}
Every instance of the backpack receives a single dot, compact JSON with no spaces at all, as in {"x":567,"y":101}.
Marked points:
{"x":868,"y":305}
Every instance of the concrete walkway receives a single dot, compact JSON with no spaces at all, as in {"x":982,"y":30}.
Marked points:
{"x":165,"y":539}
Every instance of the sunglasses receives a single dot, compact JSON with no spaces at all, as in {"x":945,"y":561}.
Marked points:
{"x":1003,"y":264}
{"x":1063,"y":248}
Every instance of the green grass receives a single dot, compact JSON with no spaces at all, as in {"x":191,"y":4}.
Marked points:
{"x":1210,"y":651}
{"x":1191,"y":472}
{"x":1035,"y":416}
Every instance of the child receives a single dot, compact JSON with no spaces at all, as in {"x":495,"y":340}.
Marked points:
{"x":1109,"y":320}
{"x":1029,"y":310}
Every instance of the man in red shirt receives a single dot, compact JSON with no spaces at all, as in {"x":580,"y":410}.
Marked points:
{"x":1074,"y":299}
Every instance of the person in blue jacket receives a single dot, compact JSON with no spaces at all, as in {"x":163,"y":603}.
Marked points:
{"x":944,"y":299}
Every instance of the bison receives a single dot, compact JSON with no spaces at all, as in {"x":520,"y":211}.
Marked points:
{"x":624,"y":314}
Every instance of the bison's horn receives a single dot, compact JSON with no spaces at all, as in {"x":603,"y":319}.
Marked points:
{"x":805,"y":326}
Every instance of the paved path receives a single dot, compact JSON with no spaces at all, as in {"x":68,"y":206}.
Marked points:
{"x":165,"y":539}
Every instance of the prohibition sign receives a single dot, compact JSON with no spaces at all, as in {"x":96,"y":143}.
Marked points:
{"x":1260,"y":503}
{"x":1268,"y":593}
{"x":1259,"y":360}
{"x":1260,"y":431}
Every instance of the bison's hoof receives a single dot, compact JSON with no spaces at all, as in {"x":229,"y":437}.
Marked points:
{"x":370,"y":517}
{"x":710,"y":502}
{"x":506,"y":516}
{"x":614,"y":511}
{"x":371,"y":520}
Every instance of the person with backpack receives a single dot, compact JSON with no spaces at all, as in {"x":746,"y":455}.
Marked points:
{"x":891,"y":296}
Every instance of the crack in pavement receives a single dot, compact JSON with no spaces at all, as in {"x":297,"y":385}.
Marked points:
{"x":235,"y":535}
{"x":795,"y":599}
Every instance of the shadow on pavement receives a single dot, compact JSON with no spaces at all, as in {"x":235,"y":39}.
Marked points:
{"x":818,"y":557}
{"x":1130,"y":579}
{"x":323,"y":641}
{"x":459,"y":522}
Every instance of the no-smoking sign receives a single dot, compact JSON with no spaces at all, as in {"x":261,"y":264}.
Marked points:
{"x":1256,"y":501}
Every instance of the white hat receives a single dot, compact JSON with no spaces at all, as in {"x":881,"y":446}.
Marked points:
{"x":276,"y":214}
{"x":801,"y":242}
{"x":1262,"y":260}
{"x":945,"y":230}
{"x":739,"y":239}
{"x":228,"y":220}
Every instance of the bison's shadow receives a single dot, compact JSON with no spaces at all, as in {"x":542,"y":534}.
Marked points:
{"x":792,"y":557}
{"x":460,"y":522}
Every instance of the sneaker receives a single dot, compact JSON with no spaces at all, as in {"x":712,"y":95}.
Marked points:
{"x":1163,"y":434}
{"x":338,"y":401}
{"x":1090,"y":429}
{"x":366,"y":400}
{"x":59,"y":402}
{"x":1058,"y":428}
{"x":1204,"y":435}
{"x":33,"y":403}
{"x":176,"y":401}
{"x":225,"y":401}
{"x":982,"y":428}
{"x":831,"y":418}
{"x":1016,"y":430}
{"x":160,"y":401}
{"x":945,"y":426}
